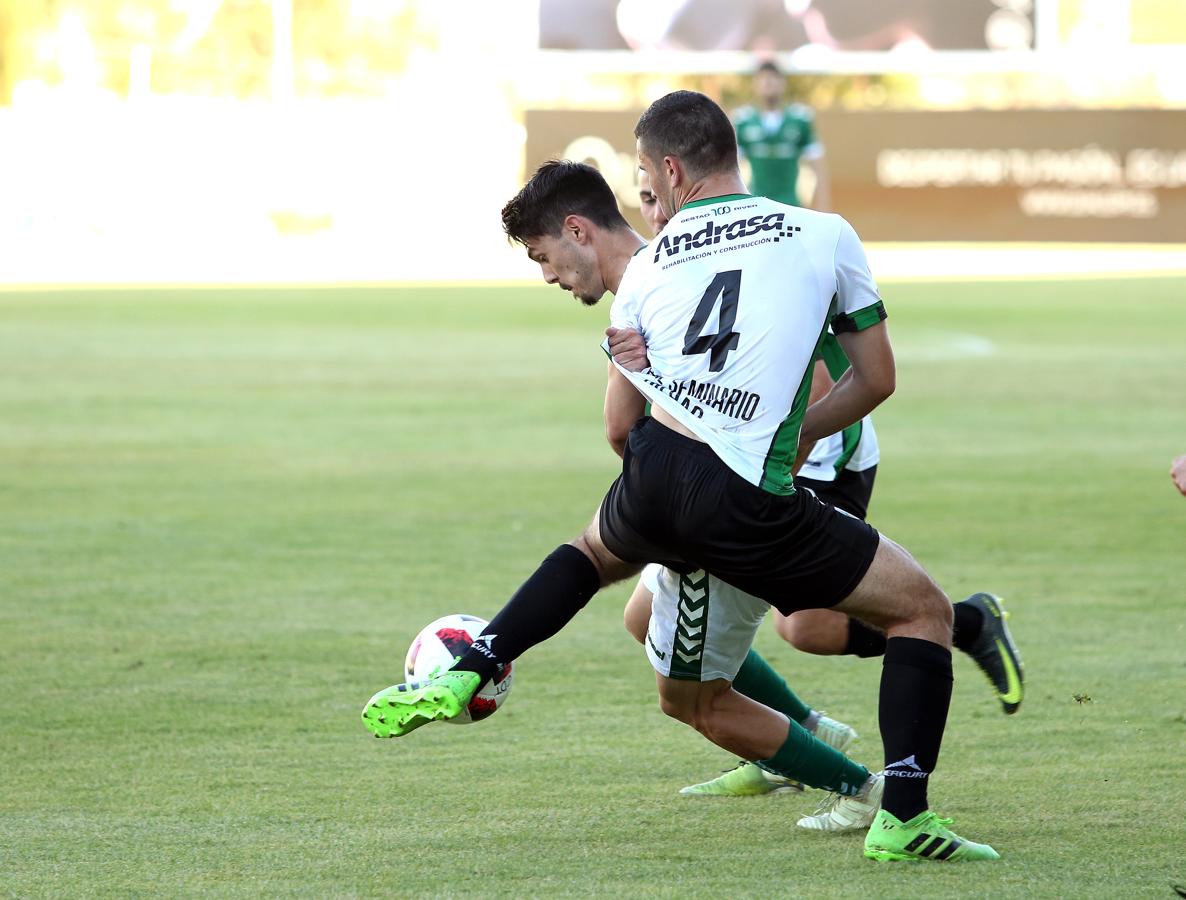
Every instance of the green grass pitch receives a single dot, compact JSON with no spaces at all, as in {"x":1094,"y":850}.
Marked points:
{"x":224,"y":514}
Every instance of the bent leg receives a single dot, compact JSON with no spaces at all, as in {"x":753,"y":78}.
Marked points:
{"x":759,"y":734}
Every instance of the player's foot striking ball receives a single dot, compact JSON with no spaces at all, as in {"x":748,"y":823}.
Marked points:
{"x":996,"y":652}
{"x":397,"y":710}
{"x":925,"y":837}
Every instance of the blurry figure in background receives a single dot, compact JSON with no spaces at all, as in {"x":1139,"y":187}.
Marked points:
{"x":776,"y":137}
{"x":1178,"y":473}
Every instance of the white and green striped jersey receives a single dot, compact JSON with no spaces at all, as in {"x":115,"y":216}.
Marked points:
{"x":734,"y":298}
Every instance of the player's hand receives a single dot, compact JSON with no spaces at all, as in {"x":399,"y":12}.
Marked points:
{"x":628,"y":349}
{"x":1178,"y":473}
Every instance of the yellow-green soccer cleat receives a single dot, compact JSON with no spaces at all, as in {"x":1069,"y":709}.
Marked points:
{"x":995,"y":652}
{"x":925,"y":837}
{"x":745,"y":780}
{"x":401,"y":708}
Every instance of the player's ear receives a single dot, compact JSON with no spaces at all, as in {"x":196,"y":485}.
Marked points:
{"x":674,"y":170}
{"x":577,"y":227}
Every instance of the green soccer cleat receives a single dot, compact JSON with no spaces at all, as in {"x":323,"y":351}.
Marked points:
{"x":401,"y":708}
{"x":745,"y":780}
{"x":997,"y":654}
{"x":925,"y":837}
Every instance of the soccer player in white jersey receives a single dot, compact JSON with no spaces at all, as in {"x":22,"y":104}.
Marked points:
{"x":732,"y":299}
{"x":840,"y":470}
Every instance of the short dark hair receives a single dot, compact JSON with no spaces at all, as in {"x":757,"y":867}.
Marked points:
{"x":688,"y":125}
{"x":768,"y":66}
{"x":558,"y":189}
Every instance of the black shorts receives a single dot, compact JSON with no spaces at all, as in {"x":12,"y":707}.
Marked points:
{"x":851,"y":491}
{"x":678,"y":504}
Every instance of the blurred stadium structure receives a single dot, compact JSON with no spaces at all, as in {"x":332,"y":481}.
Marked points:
{"x":376,"y":140}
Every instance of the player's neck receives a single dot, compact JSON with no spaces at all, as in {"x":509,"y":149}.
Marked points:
{"x":620,"y":248}
{"x":721,"y":184}
{"x":772,"y":104}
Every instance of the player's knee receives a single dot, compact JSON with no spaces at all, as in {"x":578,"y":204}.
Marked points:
{"x":678,"y":708}
{"x":610,"y":569}
{"x":797,"y":633}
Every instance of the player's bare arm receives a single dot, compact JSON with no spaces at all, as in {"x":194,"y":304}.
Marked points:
{"x":624,"y":406}
{"x":860,"y":390}
{"x":821,"y":383}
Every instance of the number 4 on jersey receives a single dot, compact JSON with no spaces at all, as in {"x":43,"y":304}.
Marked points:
{"x":727,"y":286}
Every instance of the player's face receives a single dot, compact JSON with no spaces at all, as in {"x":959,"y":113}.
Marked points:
{"x":769,"y":87}
{"x":660,"y":187}
{"x":649,"y":204}
{"x":564,"y":261}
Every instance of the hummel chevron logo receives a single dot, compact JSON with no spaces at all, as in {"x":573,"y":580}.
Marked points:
{"x":693,"y":595}
{"x":692,"y":615}
{"x":687,"y":657}
{"x":690,"y":631}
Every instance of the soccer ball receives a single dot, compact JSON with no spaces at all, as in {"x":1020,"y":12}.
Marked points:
{"x":436,"y":647}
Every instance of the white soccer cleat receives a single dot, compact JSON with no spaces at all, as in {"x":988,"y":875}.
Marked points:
{"x":834,"y":734}
{"x":839,"y":814}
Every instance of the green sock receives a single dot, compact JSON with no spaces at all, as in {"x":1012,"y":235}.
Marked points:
{"x":806,"y":758}
{"x":756,"y":680}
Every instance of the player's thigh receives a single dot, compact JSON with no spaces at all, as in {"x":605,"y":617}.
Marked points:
{"x":637,"y":615}
{"x":700,"y":629}
{"x":896,"y":591}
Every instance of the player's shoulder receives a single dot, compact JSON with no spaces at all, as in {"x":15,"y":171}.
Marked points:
{"x":832,"y":223}
{"x":637,"y":269}
{"x":800,"y":111}
{"x":743,"y":114}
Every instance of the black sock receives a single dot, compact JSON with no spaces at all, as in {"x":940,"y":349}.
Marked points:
{"x":968,"y":622}
{"x":546,"y":602}
{"x":915,"y":695}
{"x":863,"y":640}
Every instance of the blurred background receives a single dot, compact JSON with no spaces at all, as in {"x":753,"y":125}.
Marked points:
{"x":376,"y":140}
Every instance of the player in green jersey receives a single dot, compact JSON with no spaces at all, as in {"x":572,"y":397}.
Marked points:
{"x":776,"y":138}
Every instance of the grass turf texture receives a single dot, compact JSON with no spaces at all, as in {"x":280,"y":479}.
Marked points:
{"x":224,"y":515}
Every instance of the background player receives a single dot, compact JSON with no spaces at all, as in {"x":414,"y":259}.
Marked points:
{"x":777,"y":138}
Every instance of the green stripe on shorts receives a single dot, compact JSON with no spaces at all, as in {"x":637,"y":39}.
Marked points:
{"x":691,"y":627}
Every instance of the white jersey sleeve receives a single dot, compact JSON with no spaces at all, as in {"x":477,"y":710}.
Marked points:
{"x":858,"y":303}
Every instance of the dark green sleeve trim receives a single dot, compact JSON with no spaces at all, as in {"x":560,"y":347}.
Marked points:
{"x":860,"y":319}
